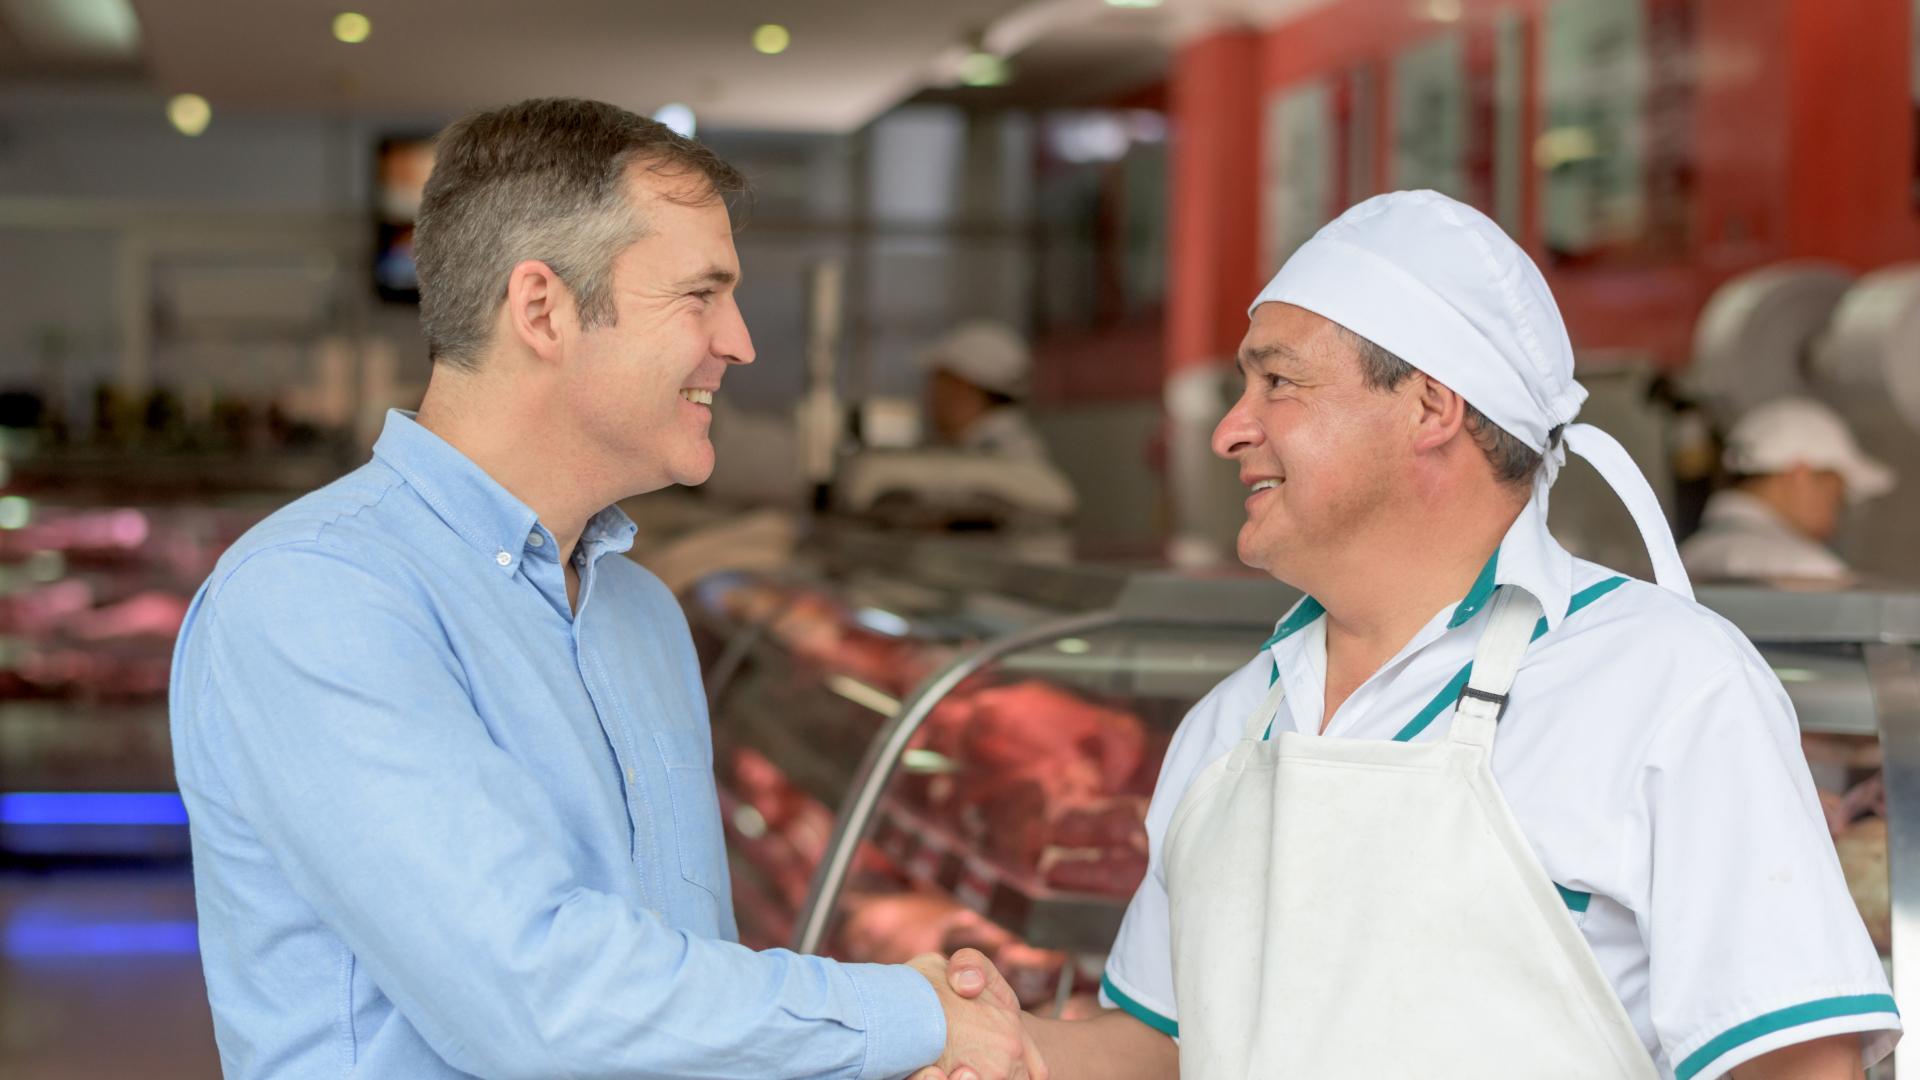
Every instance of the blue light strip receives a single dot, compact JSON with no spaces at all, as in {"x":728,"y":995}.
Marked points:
{"x":92,"y":808}
{"x":57,"y":937}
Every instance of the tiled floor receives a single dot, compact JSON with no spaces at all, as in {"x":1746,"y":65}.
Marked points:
{"x":99,"y":979}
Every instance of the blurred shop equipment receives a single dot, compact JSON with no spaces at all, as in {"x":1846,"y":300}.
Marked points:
{"x":1814,"y":331}
{"x":1794,"y":468}
{"x":922,"y":744}
{"x":1754,"y":341}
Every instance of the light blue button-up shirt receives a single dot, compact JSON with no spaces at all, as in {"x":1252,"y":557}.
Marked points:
{"x":443,"y":824}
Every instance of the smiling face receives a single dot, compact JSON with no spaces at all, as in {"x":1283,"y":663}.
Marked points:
{"x":1321,"y":453}
{"x":640,"y":389}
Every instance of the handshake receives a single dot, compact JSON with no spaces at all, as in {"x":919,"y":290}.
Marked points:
{"x":987,"y":1034}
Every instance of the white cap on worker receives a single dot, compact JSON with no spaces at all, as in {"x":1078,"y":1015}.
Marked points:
{"x":1438,"y":284}
{"x":1790,"y":431}
{"x":988,"y":354}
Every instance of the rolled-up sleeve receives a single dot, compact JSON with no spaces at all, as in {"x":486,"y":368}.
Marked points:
{"x":348,"y":739}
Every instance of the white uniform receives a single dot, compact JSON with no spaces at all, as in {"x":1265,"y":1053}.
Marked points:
{"x":1005,"y":432}
{"x":1742,"y":538}
{"x":1652,"y":763}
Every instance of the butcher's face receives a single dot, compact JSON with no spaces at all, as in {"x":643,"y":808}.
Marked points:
{"x":1318,"y":449}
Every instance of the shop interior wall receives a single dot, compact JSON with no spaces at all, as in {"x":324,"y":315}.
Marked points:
{"x":237,"y":264}
{"x":1788,"y":129}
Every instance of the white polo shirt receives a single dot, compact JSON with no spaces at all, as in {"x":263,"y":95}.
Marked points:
{"x":1652,"y":760}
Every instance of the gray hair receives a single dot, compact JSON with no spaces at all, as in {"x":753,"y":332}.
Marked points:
{"x":544,"y":179}
{"x":1513,"y":461}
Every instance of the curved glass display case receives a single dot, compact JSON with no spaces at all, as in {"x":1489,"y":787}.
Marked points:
{"x":903,"y":783}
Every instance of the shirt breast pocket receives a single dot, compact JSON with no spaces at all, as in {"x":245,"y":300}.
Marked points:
{"x":696,"y":807}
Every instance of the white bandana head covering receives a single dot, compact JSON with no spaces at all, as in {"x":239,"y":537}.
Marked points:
{"x":1438,"y":284}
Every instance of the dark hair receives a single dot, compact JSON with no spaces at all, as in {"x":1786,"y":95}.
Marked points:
{"x":544,"y":179}
{"x":1513,"y":461}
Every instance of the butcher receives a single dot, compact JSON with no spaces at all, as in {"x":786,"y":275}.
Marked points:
{"x":1476,"y":808}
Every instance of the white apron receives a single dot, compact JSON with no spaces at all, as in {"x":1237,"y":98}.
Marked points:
{"x":1368,"y":909}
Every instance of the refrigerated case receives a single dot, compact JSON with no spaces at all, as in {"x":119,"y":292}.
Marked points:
{"x":919,"y":791}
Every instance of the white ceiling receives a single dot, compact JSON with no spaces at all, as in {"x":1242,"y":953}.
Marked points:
{"x":849,"y":59}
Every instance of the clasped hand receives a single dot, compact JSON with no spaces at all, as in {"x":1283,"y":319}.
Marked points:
{"x":987,"y":1037}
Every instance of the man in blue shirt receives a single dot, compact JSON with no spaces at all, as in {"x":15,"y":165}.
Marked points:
{"x":445,"y":751}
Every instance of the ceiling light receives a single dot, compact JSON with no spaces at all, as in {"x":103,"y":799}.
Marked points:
{"x":984,"y":69}
{"x":189,"y":113}
{"x":1565,"y":146}
{"x":771,"y":38}
{"x":1134,"y":3}
{"x":1445,"y":11}
{"x":86,"y":29}
{"x":676,"y":116}
{"x":352,"y":27}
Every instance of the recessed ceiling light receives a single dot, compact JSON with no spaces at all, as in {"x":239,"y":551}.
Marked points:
{"x":96,"y":29}
{"x":983,"y":69}
{"x":677,"y":117}
{"x":771,"y":39}
{"x":1134,"y":3}
{"x":352,"y":27}
{"x":189,"y":113}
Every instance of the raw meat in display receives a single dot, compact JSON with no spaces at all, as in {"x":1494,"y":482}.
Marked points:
{"x":1867,"y":797}
{"x":147,"y":614}
{"x":1033,"y":973}
{"x":1112,"y":872}
{"x":1118,"y":821}
{"x":894,"y":929}
{"x":1014,"y":726}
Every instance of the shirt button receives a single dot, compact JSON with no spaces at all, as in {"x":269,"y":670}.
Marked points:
{"x":503,"y":558}
{"x":536,"y":540}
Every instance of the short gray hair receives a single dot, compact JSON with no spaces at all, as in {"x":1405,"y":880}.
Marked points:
{"x":1513,"y":461}
{"x":544,"y":179}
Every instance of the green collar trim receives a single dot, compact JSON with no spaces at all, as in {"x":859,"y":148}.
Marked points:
{"x":1450,"y":693}
{"x":1309,"y":609}
{"x":1477,"y":596}
{"x":1302,"y":616}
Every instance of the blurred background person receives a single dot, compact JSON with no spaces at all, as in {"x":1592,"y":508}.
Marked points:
{"x":1793,"y":470}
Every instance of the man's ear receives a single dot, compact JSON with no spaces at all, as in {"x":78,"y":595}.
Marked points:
{"x":1440,"y":414}
{"x":539,"y":309}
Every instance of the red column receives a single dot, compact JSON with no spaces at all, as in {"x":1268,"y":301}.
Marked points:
{"x":1215,"y":116}
{"x":1852,"y":123}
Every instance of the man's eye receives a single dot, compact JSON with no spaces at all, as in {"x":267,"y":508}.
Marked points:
{"x":1274,"y":382}
{"x":702,"y":294}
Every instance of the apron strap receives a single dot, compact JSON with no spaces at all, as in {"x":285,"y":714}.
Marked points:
{"x":1496,"y":661}
{"x":1260,"y":721}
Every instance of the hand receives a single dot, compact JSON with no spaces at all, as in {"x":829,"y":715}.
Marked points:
{"x":986,"y":1039}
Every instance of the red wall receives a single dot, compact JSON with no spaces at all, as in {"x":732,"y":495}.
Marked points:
{"x":1802,"y":145}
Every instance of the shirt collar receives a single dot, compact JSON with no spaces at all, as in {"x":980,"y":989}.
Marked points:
{"x":1528,"y":556}
{"x":474,"y":505}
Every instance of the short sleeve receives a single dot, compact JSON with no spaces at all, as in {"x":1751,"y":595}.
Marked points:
{"x":1754,"y":942}
{"x":1139,"y":974}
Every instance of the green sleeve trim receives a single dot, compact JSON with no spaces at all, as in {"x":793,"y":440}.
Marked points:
{"x":1154,"y":1020}
{"x":1780,"y":1020}
{"x":1575,"y":900}
{"x":1450,"y":693}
